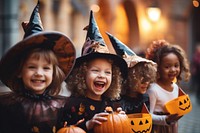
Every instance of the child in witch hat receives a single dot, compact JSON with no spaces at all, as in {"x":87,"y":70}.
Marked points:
{"x":95,"y":79}
{"x":141,"y":72}
{"x":34,"y":69}
{"x":172,"y":64}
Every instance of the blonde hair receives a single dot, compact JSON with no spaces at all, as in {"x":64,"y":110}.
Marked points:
{"x":76,"y":82}
{"x":50,"y":57}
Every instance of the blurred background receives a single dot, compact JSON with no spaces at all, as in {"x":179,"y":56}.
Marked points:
{"x":135,"y":22}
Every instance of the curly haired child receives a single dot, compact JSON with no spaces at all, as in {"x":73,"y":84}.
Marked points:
{"x":172,"y":65}
{"x":94,"y":81}
{"x":141,"y":72}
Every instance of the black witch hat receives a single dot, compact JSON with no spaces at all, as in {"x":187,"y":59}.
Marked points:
{"x":95,"y":47}
{"x":126,"y":53}
{"x":35,"y":37}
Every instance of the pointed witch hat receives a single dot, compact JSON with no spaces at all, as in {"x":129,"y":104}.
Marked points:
{"x":126,"y":53}
{"x":95,"y":47}
{"x":35,"y":37}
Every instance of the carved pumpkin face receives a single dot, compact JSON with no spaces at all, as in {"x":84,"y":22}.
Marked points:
{"x":180,"y":105}
{"x":116,"y":123}
{"x":140,"y":122}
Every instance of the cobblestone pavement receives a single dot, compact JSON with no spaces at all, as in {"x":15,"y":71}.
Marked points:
{"x":190,"y":123}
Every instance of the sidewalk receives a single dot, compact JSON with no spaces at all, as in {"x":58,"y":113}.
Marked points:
{"x":190,"y":123}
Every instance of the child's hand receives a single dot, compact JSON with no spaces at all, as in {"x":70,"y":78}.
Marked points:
{"x":119,"y":109}
{"x":97,"y":119}
{"x":172,"y":118}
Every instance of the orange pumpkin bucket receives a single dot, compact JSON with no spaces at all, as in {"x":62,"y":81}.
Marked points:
{"x":180,"y":105}
{"x":140,"y":122}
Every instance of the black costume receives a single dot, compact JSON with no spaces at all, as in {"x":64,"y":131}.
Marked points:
{"x":132,"y":104}
{"x":29,"y":113}
{"x":77,"y":108}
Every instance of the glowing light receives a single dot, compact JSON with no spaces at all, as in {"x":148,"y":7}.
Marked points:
{"x":195,"y":3}
{"x":95,"y":8}
{"x":154,"y":13}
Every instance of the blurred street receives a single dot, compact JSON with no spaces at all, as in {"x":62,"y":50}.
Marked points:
{"x":190,"y":123}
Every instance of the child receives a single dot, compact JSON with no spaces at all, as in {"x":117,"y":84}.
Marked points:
{"x":172,"y":64}
{"x":95,"y":79}
{"x":34,"y":69}
{"x":141,"y":72}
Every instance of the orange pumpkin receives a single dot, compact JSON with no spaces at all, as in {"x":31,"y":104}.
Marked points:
{"x":116,"y":123}
{"x":71,"y":129}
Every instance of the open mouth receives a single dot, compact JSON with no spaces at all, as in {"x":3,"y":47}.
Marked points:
{"x":99,"y":84}
{"x":37,"y":81}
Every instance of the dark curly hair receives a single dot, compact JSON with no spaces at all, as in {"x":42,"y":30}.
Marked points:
{"x":160,"y":48}
{"x":141,"y":72}
{"x":76,"y":81}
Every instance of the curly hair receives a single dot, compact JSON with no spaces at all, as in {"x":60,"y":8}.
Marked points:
{"x":76,"y":81}
{"x":141,"y":72}
{"x":54,"y":88}
{"x":159,"y":49}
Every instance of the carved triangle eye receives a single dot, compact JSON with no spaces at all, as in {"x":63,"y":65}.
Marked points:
{"x":146,"y":121}
{"x":140,"y":123}
{"x":180,"y":103}
{"x":132,"y":123}
{"x":185,"y":101}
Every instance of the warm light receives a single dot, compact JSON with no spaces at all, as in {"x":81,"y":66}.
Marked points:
{"x":195,"y":3}
{"x":154,"y":13}
{"x":95,"y":8}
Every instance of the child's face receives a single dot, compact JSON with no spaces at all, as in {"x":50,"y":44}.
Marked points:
{"x":98,"y":78}
{"x":169,"y":68}
{"x":142,"y":87}
{"x":36,"y":74}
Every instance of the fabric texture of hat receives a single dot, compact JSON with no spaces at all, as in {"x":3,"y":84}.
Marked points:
{"x":126,"y":53}
{"x":35,"y":37}
{"x":95,"y":47}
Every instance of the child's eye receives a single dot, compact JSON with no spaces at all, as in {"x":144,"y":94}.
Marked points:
{"x":94,"y":70}
{"x":47,"y":68}
{"x":31,"y":67}
{"x":108,"y":72}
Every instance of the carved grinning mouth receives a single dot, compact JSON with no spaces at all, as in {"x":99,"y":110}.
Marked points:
{"x":143,"y":131}
{"x":185,"y":107}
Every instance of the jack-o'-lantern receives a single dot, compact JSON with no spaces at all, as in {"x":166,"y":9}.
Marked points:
{"x":141,"y":122}
{"x":116,"y":123}
{"x":180,"y":105}
{"x":70,"y":129}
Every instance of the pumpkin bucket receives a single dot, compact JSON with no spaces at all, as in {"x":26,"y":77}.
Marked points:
{"x":140,"y":122}
{"x":180,"y":105}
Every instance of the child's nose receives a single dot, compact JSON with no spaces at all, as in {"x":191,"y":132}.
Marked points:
{"x":101,"y":74}
{"x":38,"y":72}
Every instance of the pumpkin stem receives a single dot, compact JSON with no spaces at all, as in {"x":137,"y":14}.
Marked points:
{"x":109,"y":109}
